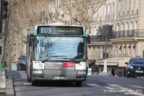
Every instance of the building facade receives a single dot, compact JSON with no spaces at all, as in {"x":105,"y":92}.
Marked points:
{"x":127,"y":38}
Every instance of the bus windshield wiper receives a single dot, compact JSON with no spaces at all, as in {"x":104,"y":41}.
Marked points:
{"x":72,"y":59}
{"x":52,"y":57}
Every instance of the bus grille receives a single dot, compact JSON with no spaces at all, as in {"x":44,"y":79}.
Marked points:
{"x":53,"y":65}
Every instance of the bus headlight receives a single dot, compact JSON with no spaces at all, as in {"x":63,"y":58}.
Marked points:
{"x":38,"y":66}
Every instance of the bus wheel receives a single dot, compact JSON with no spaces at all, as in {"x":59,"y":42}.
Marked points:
{"x":78,"y":83}
{"x":34,"y":83}
{"x":128,"y":76}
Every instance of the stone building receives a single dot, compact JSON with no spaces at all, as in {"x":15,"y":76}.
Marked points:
{"x":127,"y":38}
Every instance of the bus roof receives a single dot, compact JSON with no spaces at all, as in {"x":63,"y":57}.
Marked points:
{"x":58,"y":25}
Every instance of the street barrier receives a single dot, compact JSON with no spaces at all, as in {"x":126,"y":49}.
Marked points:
{"x":2,"y":77}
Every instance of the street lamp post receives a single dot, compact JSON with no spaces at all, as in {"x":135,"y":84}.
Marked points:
{"x":105,"y":52}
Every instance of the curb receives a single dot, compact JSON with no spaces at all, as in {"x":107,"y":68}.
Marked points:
{"x":2,"y":92}
{"x":9,"y":88}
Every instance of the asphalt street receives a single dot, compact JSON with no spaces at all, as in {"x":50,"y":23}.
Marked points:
{"x":93,"y":86}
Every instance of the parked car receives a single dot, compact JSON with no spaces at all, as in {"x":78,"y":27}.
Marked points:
{"x":22,"y":62}
{"x":135,"y":67}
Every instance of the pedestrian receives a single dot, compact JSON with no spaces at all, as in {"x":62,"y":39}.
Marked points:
{"x":113,"y":72}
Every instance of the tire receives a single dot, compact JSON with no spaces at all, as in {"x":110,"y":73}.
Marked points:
{"x":34,"y":83}
{"x":133,"y":76}
{"x":128,"y":75}
{"x":78,"y":83}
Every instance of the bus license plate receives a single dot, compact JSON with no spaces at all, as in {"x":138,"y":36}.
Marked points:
{"x":59,"y":77}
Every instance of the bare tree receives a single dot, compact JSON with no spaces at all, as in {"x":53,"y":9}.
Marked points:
{"x":81,"y":11}
{"x":27,"y":13}
{"x":24,"y":14}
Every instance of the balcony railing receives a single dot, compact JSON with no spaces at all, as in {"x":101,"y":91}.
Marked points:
{"x":117,"y":35}
{"x":97,"y":38}
{"x":128,"y":34}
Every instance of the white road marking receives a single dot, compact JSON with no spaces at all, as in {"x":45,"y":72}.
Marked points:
{"x":135,"y":86}
{"x":109,"y":88}
{"x":117,"y":89}
{"x":114,"y":85}
{"x":92,"y":85}
{"x":27,"y":84}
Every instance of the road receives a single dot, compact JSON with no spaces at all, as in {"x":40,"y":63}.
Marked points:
{"x":93,"y":86}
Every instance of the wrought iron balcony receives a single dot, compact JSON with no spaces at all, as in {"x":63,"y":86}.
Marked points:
{"x":117,"y":35}
{"x":128,"y":34}
{"x":97,"y":38}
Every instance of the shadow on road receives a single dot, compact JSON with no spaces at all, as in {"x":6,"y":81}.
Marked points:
{"x":55,"y":84}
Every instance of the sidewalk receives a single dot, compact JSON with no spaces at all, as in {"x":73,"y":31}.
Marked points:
{"x":13,"y":76}
{"x":8,"y":89}
{"x":9,"y":84}
{"x":2,"y":92}
{"x":2,"y":80}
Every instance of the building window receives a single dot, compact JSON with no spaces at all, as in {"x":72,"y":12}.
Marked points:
{"x":90,"y":52}
{"x":113,"y":11}
{"x":134,"y":6}
{"x":125,"y":7}
{"x":132,"y":25}
{"x":137,"y":11}
{"x":121,"y":7}
{"x":129,"y":9}
{"x":137,"y":6}
{"x":136,"y":25}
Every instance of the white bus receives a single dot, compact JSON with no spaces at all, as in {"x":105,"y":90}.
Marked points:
{"x":56,"y":52}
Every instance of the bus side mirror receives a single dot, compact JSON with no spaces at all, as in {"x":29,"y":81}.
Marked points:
{"x":30,"y":40}
{"x":126,"y":63}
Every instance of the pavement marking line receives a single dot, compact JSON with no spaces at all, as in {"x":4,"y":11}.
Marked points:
{"x":126,"y":91}
{"x":27,"y":84}
{"x":22,"y":83}
{"x":114,"y":85}
{"x":92,"y":85}
{"x":135,"y":86}
{"x":109,"y":88}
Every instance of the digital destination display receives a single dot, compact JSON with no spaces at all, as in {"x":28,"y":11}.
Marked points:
{"x":60,"y":30}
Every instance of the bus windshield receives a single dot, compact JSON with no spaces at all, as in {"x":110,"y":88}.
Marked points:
{"x":60,"y":48}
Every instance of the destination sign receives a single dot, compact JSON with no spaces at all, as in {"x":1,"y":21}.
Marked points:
{"x":60,"y":30}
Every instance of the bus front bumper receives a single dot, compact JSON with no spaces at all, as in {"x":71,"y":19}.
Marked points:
{"x":63,"y":75}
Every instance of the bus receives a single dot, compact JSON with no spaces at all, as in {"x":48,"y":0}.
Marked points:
{"x":56,"y":53}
